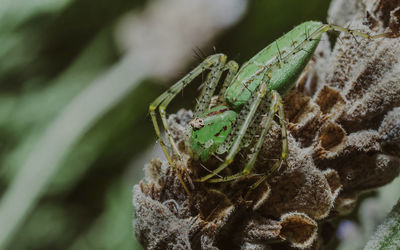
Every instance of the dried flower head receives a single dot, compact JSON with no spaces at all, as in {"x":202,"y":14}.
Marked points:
{"x":344,"y":138}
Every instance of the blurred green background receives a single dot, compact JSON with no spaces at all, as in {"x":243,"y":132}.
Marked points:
{"x":50,"y":53}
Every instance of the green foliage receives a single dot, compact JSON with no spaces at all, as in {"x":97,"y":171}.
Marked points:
{"x":387,"y":236}
{"x":373,"y":212}
{"x":37,"y":84}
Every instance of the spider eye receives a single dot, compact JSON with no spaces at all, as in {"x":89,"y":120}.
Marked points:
{"x":197,"y":123}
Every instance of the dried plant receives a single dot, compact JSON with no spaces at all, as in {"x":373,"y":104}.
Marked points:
{"x":344,"y":133}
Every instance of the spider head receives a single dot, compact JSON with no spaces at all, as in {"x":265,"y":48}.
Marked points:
{"x":205,"y":133}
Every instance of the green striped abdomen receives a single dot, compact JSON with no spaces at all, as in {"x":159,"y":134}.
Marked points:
{"x":292,"y":51}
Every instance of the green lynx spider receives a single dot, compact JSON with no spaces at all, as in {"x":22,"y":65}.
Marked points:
{"x":227,"y":122}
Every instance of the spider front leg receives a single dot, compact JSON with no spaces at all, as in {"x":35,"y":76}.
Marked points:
{"x":216,"y":63}
{"x":244,"y":120}
{"x":285,"y":145}
{"x":276,"y":107}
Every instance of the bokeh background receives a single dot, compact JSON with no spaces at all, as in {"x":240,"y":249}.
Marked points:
{"x":76,"y":79}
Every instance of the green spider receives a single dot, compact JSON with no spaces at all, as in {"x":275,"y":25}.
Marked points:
{"x":245,"y":96}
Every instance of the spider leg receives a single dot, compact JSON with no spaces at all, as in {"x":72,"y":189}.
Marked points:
{"x":244,"y":120}
{"x":216,"y":64}
{"x":276,"y":106}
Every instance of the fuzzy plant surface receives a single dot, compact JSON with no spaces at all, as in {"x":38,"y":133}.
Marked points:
{"x":344,"y":134}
